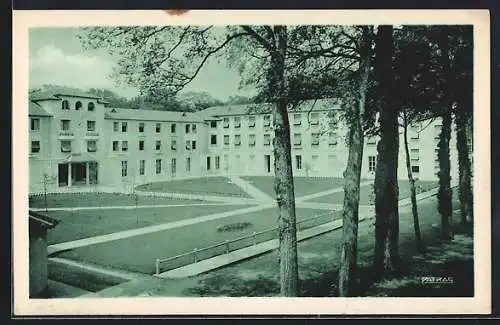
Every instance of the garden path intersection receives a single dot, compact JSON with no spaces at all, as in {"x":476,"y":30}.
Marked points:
{"x":258,"y":201}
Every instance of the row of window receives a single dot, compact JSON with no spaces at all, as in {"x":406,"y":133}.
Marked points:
{"x":66,"y":146}
{"x":188,"y":128}
{"x":190,"y":145}
{"x":297,"y":120}
{"x":297,"y":139}
{"x":78,"y":106}
{"x":158,"y":166}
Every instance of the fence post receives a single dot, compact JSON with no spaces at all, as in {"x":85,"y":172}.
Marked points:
{"x":227,"y":246}
{"x":194,"y":255}
{"x":253,"y":238}
{"x":157,"y":266}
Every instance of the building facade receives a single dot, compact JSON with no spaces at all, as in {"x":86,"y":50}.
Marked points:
{"x":77,"y":141}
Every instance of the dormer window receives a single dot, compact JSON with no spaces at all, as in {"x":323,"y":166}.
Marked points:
{"x":65,"y":105}
{"x":91,"y":106}
{"x":78,"y":105}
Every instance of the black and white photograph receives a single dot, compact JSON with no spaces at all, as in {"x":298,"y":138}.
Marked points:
{"x":309,"y":158}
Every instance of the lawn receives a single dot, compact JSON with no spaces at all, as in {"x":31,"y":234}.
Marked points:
{"x":89,"y":223}
{"x":139,"y":253}
{"x":318,"y":260}
{"x":302,"y":185}
{"x":366,"y":196}
{"x":100,"y":199}
{"x":206,"y":185}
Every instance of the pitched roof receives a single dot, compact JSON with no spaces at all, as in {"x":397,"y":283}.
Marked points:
{"x":37,"y":110}
{"x":265,"y":108}
{"x":42,"y":220}
{"x":56,"y":95}
{"x":150,"y":115}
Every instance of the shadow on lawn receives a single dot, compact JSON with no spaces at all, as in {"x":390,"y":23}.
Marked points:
{"x":451,"y":260}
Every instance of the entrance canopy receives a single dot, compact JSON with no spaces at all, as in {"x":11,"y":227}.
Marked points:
{"x":80,"y":157}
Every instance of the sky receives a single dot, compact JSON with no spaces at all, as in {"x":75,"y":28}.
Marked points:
{"x":57,"y":57}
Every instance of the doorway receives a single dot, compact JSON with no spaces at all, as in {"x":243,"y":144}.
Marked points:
{"x":267,"y":161}
{"x":62,"y":174}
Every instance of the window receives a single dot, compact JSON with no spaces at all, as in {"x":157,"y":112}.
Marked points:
{"x":188,"y":144}
{"x":436,"y":151}
{"x":158,"y":166}
{"x":90,"y":125}
{"x":115,"y":146}
{"x":172,"y":128}
{"x":415,"y":169}
{"x":208,"y":163}
{"x":193,"y":145}
{"x":314,"y":118}
{"x":142,"y":167}
{"x":415,"y":134}
{"x":226,"y":139}
{"x":225,"y":122}
{"x":372,"y":163}
{"x":371,"y":141}
{"x":188,"y":126}
{"x":297,"y":119}
{"x":65,"y":125}
{"x":267,"y":139}
{"x":298,"y":162}
{"x":91,"y":145}
{"x":124,"y":126}
{"x":158,"y":128}
{"x":237,"y":140}
{"x":251,"y":121}
{"x":267,"y":120}
{"x":65,"y":104}
{"x":141,"y":127}
{"x":141,"y":145}
{"x":213,"y":124}
{"x":90,"y":106}
{"x":35,"y":124}
{"x":35,"y":146}
{"x":158,"y":145}
{"x":251,"y":140}
{"x":115,"y":126}
{"x":415,"y":154}
{"x":188,"y":164}
{"x":78,"y":105}
{"x":297,"y":139}
{"x":173,"y":146}
{"x":124,"y":145}
{"x":124,"y":168}
{"x":314,"y":139}
{"x":193,"y":128}
{"x":213,"y":139}
{"x":237,"y":122}
{"x":332,"y":138}
{"x":65,"y":146}
{"x":437,"y":131}
{"x":174,"y":165}
{"x":217,"y":162}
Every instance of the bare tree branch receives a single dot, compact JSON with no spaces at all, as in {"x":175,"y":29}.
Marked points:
{"x":258,"y":38}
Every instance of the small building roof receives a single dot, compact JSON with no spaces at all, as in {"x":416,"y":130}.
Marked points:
{"x":36,"y":110}
{"x":266,"y":108}
{"x":150,"y":115}
{"x":42,"y":220}
{"x":56,"y":95}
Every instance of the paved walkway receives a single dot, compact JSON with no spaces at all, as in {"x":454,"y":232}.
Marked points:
{"x":151,"y":229}
{"x":250,"y":189}
{"x":188,"y":196}
{"x":327,"y":192}
{"x":132,"y":207}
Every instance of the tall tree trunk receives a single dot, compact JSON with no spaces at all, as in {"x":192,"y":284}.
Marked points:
{"x":352,"y":175}
{"x":387,"y":258}
{"x":464,"y":167}
{"x":283,"y":180}
{"x":413,"y":194}
{"x":444,"y":192}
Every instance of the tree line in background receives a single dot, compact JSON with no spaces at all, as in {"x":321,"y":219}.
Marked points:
{"x":386,"y":78}
{"x":191,"y":101}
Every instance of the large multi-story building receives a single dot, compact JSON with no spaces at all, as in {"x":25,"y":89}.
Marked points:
{"x":76,"y":140}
